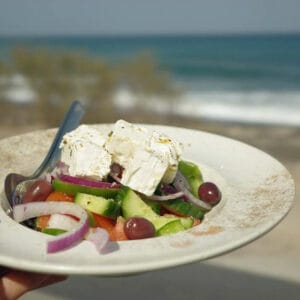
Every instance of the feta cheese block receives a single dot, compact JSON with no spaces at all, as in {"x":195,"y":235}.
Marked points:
{"x":84,"y":152}
{"x":148,"y":157}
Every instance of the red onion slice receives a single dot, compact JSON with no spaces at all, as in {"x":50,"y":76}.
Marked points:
{"x":166,"y":197}
{"x":22,"y":212}
{"x":182,"y":185}
{"x":99,"y":237}
{"x":88,"y":182}
{"x":115,"y":177}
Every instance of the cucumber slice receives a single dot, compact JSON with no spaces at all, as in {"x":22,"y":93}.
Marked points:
{"x":183,"y":208}
{"x":132,"y":206}
{"x":73,"y":189}
{"x":155,"y":205}
{"x":161,"y":221}
{"x":171,"y":228}
{"x":92,"y":220}
{"x":192,"y":174}
{"x":98,"y":205}
{"x":187,"y":222}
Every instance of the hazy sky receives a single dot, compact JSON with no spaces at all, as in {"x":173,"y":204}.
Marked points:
{"x":151,"y":16}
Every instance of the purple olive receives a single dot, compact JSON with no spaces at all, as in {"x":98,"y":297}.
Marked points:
{"x":210,"y":193}
{"x":38,"y":191}
{"x":138,"y":228}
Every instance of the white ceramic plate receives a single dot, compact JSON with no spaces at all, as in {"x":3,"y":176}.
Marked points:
{"x":257,"y":193}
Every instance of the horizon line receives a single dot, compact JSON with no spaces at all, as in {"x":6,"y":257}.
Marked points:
{"x":152,"y":34}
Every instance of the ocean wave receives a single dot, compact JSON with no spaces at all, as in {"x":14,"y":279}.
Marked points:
{"x":258,"y":107}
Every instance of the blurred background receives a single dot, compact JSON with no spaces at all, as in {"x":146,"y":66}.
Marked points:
{"x":166,"y":62}
{"x":228,"y":67}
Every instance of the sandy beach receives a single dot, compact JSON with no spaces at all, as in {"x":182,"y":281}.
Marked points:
{"x":268,"y":268}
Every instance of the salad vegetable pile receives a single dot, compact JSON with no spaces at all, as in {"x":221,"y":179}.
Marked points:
{"x":129,"y":184}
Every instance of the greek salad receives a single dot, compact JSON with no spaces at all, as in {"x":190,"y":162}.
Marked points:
{"x":129,"y":184}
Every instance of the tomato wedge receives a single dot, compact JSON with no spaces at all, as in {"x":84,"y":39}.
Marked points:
{"x":196,"y":222}
{"x":104,"y":222}
{"x":60,"y":196}
{"x":42,"y":222}
{"x":114,"y":229}
{"x":118,"y":233}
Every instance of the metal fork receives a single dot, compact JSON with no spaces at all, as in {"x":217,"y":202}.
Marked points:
{"x":14,"y":181}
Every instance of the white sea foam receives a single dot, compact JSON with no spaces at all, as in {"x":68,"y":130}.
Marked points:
{"x":263,"y":107}
{"x":17,"y":89}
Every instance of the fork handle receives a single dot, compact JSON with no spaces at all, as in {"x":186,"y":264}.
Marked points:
{"x":70,"y":122}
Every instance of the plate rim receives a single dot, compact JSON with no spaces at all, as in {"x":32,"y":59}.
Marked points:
{"x":48,"y":267}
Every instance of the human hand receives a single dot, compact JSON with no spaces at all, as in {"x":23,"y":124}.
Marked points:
{"x":14,"y":283}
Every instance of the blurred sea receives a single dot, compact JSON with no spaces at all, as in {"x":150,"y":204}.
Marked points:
{"x":238,"y":78}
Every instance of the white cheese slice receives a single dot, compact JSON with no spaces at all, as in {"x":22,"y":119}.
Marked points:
{"x":168,"y":150}
{"x":83,"y":151}
{"x":147,"y":156}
